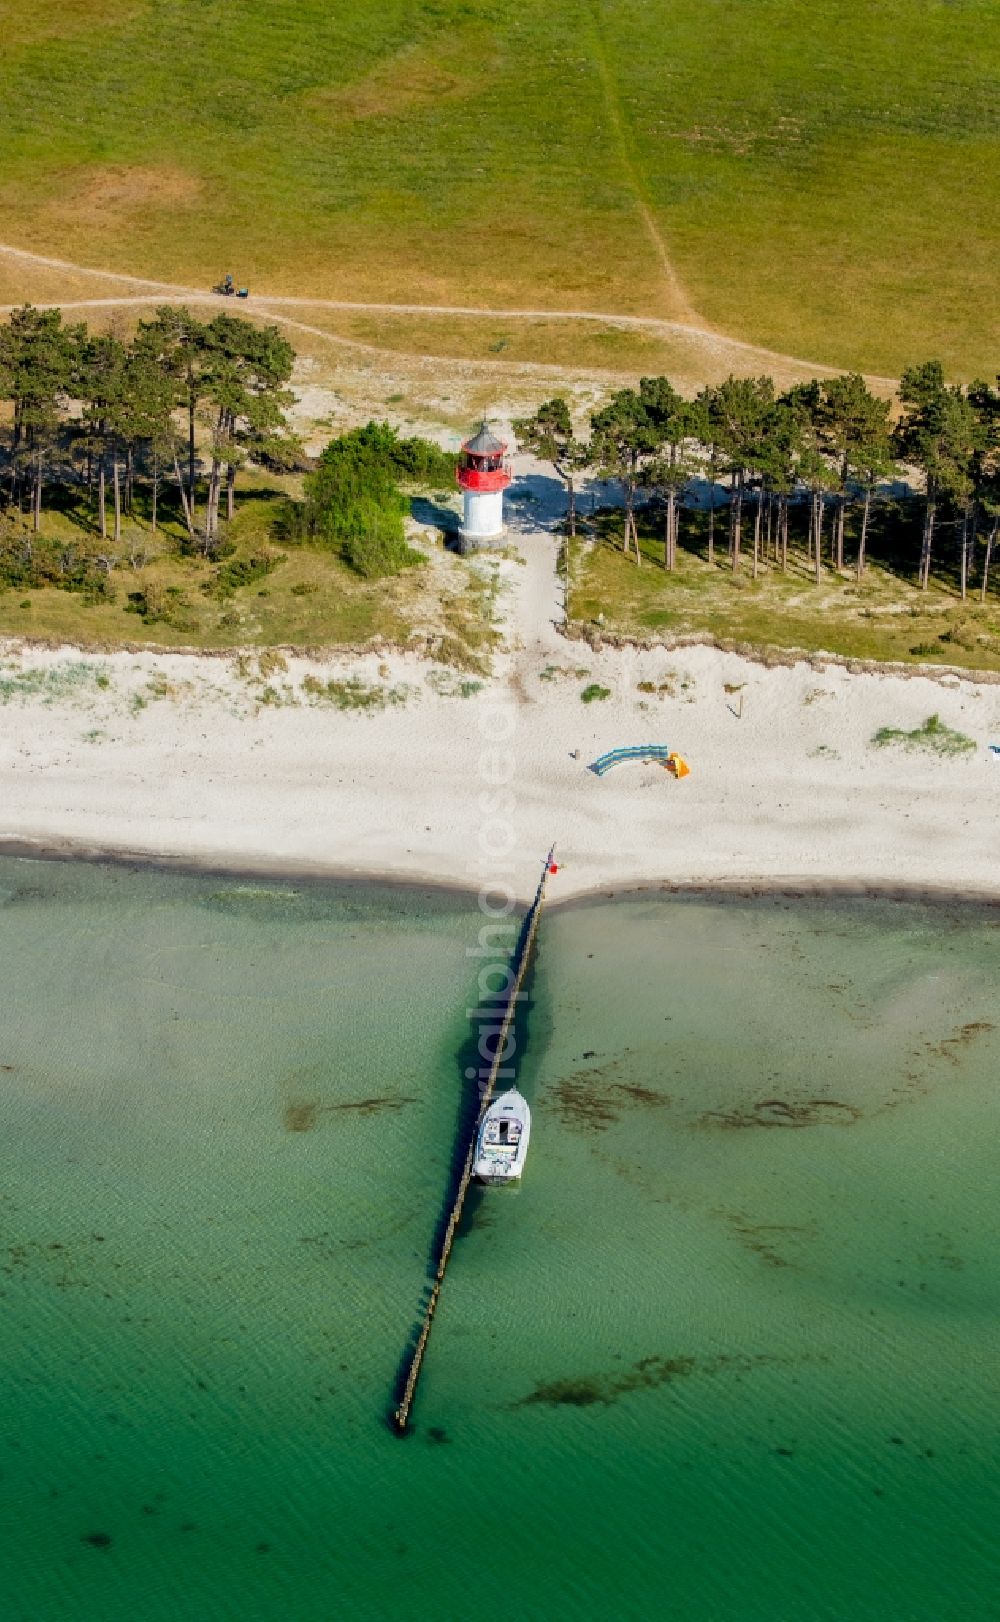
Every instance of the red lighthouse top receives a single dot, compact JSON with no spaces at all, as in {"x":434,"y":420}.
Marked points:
{"x":482,"y":465}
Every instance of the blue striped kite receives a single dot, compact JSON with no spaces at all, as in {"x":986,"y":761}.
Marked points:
{"x":637,"y":751}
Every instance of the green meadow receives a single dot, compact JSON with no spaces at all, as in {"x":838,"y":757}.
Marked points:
{"x":818,"y":179}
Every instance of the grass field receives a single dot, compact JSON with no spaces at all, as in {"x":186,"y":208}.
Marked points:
{"x":820,"y":180}
{"x":597,"y":350}
{"x":884,"y":617}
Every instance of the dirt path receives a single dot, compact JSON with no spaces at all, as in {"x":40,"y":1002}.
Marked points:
{"x":677,"y":301}
{"x":272,"y":306}
{"x":537,"y":607}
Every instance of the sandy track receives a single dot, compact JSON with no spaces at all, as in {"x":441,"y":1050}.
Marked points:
{"x":715,"y":344}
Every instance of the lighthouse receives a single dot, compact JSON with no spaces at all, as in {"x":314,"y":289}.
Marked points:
{"x":484,"y":476}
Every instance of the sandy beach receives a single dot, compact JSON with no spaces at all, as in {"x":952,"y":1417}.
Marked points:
{"x":176,"y":756}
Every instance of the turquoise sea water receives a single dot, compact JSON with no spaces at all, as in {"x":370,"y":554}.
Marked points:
{"x":729,"y":1353}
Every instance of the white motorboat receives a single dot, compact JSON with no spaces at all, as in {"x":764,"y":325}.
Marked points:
{"x":502,"y":1139}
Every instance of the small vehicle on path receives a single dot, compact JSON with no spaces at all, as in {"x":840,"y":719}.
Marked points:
{"x":227,"y":288}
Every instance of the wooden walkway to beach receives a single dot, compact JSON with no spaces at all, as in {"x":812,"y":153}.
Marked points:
{"x":528,"y":932}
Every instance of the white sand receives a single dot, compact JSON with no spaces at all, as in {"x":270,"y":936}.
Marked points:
{"x":791,"y":789}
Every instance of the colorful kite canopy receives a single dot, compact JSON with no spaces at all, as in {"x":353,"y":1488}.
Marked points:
{"x":660,"y":752}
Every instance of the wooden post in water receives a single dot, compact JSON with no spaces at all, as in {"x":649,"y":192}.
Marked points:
{"x":529,"y":931}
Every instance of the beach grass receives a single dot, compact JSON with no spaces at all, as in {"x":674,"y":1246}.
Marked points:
{"x":54,"y":684}
{"x":819,"y":181}
{"x":932,"y":735}
{"x":884,"y":617}
{"x":353,"y":693}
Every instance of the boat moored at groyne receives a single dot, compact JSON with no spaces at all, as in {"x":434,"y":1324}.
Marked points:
{"x":502,"y":1139}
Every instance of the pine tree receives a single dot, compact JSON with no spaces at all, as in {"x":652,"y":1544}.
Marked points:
{"x":38,"y":362}
{"x":985,"y":402}
{"x":938,"y":432}
{"x":779,"y":470}
{"x":145,"y":419}
{"x":854,"y":430}
{"x":672,"y":423}
{"x":177,"y":343}
{"x":246,"y":370}
{"x":549,"y":435}
{"x":623,"y":442}
{"x":704,"y":431}
{"x":101,"y":391}
{"x":741,"y":410}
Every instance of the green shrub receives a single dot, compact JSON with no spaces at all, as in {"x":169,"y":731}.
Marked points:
{"x":31,"y":565}
{"x":595,"y":692}
{"x":421,"y":462}
{"x":353,"y":501}
{"x":232,"y":576}
{"x":151,"y":603}
{"x":379,"y":550}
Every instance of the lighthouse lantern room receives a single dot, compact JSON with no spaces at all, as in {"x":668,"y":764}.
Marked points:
{"x":484,"y":475}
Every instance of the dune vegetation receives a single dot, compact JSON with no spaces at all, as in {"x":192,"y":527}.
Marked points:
{"x":883,"y":618}
{"x":822,"y":180}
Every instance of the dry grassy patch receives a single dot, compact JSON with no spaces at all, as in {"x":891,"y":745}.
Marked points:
{"x":415,"y":77}
{"x":886,"y":618}
{"x":114,"y":193}
{"x":38,"y":20}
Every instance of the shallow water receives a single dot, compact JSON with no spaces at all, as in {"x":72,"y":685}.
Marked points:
{"x":729,"y":1352}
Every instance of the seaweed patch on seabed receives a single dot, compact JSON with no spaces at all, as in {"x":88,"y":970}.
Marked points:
{"x":58,"y":1263}
{"x":763,"y":1238}
{"x":950,"y":1046}
{"x":779,"y":1112}
{"x":263,"y":901}
{"x":646,"y":1375}
{"x":589,"y":1100}
{"x":303,"y":1116}
{"x":920,"y":1075}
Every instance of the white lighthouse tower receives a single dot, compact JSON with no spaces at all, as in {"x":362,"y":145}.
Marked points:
{"x":483,"y":475}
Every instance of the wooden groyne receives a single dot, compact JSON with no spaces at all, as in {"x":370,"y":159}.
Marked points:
{"x":527,"y":940}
